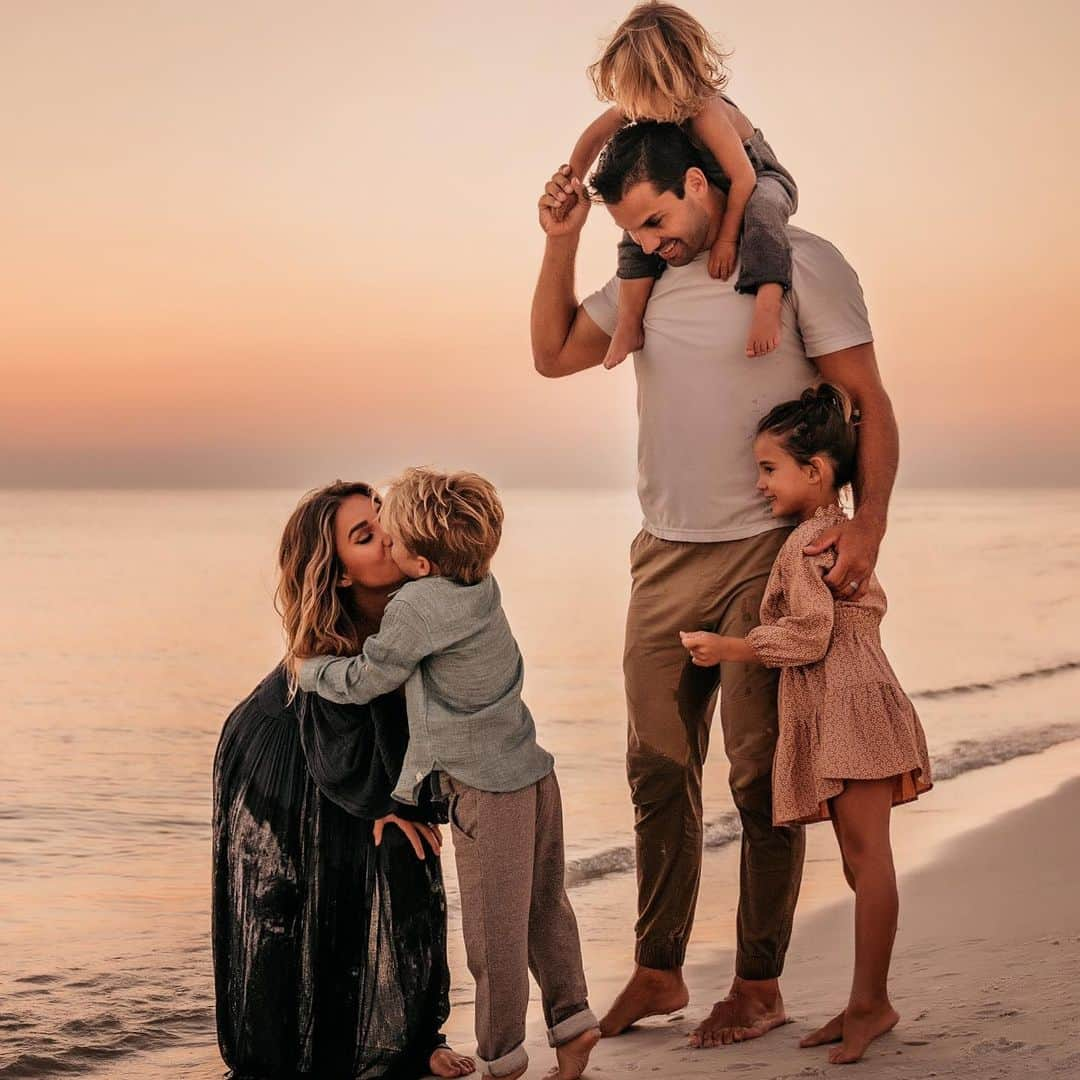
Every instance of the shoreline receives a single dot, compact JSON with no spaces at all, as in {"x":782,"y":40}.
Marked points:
{"x":981,"y":991}
{"x":983,"y":994}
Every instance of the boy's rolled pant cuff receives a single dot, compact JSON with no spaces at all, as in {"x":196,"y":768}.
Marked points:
{"x":506,"y":1065}
{"x":573,"y":1026}
{"x":662,"y":956}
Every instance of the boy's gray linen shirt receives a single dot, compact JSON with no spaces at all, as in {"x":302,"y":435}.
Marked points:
{"x":452,"y":648}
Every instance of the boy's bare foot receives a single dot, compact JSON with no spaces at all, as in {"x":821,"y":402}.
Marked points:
{"x":765,"y":326}
{"x":650,"y":992}
{"x":509,"y":1076}
{"x":861,"y":1028}
{"x":445,"y":1062}
{"x":831,"y":1032}
{"x":623,"y":342}
{"x":748,"y":1012}
{"x":574,"y":1055}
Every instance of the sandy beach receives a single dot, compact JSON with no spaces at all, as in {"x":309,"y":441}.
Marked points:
{"x":987,"y":961}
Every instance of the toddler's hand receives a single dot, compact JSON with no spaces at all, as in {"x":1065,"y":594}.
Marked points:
{"x":722,"y":258}
{"x":705,"y":649}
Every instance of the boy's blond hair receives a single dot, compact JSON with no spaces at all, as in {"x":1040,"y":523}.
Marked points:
{"x":660,"y":64}
{"x":454,"y":520}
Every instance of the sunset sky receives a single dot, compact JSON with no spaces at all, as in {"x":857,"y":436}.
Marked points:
{"x":273,"y":243}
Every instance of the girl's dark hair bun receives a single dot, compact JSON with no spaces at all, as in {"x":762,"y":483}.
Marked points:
{"x":820,"y":423}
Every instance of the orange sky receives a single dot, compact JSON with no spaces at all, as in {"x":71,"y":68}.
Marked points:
{"x":274,"y":243}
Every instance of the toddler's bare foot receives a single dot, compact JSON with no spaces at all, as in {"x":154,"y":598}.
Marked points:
{"x":623,"y":343}
{"x":445,"y":1062}
{"x":765,"y":326}
{"x":574,"y":1055}
{"x":650,"y":992}
{"x":751,"y":1010}
{"x":861,"y":1028}
{"x":831,"y":1032}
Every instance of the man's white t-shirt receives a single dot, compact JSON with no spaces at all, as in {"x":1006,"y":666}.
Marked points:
{"x":700,"y":397}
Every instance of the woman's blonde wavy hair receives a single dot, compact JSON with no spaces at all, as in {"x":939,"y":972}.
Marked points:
{"x":308,"y":599}
{"x":660,"y":64}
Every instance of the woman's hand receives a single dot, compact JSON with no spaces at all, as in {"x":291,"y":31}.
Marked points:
{"x":415,"y":831}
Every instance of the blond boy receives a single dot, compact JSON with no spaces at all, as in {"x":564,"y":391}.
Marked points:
{"x":445,"y":637}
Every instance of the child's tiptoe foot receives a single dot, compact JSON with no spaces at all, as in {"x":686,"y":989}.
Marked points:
{"x":860,"y":1030}
{"x":623,"y":343}
{"x":765,"y":327}
{"x":573,"y":1056}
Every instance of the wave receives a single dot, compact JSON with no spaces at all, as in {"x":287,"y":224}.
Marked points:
{"x":995,"y":684}
{"x":964,"y":756}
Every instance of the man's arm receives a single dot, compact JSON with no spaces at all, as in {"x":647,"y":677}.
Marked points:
{"x":855,"y":371}
{"x":565,"y":339}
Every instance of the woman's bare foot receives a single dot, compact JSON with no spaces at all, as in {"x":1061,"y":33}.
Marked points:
{"x":445,"y":1062}
{"x":861,"y":1028}
{"x":650,"y":992}
{"x":831,"y":1032}
{"x":573,"y":1056}
{"x":765,"y":327}
{"x":752,"y":1009}
{"x":624,"y":341}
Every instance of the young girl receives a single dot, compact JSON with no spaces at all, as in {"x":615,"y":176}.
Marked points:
{"x":662,"y":64}
{"x":850,"y":745}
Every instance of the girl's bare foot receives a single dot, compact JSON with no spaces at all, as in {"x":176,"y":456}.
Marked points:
{"x":831,"y":1032}
{"x":573,"y":1056}
{"x":765,"y":327}
{"x":445,"y":1062}
{"x":861,"y":1028}
{"x":624,"y":341}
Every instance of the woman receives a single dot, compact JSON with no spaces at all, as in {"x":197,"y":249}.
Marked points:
{"x":329,"y":917}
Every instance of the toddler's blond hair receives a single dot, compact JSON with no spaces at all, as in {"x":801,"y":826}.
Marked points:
{"x":660,"y":64}
{"x":454,"y":520}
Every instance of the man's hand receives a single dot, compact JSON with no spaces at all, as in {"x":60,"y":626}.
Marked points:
{"x":564,"y":206}
{"x":856,"y":543}
{"x":415,"y":832}
{"x":722,"y":258}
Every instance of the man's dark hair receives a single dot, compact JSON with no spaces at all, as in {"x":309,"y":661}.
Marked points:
{"x":648,"y":150}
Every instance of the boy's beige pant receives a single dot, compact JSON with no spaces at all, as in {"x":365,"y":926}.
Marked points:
{"x":517,"y":918}
{"x":703,"y":586}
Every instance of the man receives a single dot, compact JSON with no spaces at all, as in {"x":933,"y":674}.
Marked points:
{"x":708,"y":541}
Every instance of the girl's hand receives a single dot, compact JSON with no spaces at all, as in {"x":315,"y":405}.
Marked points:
{"x":705,"y":649}
{"x":722,"y":258}
{"x":415,"y":832}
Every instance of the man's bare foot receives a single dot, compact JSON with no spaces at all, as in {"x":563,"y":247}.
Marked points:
{"x":748,"y":1012}
{"x":861,"y":1028}
{"x":765,"y":327}
{"x":831,"y":1032}
{"x":574,"y":1055}
{"x":445,"y":1062}
{"x":623,"y":342}
{"x":650,"y":992}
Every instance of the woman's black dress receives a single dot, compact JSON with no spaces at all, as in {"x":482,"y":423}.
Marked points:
{"x":329,"y":953}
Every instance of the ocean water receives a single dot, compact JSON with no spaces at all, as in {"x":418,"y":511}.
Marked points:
{"x":131,"y":623}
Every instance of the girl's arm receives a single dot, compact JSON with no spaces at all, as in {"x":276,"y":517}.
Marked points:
{"x":388,"y":659}
{"x":800,"y":637}
{"x":715,"y":131}
{"x":592,"y":140}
